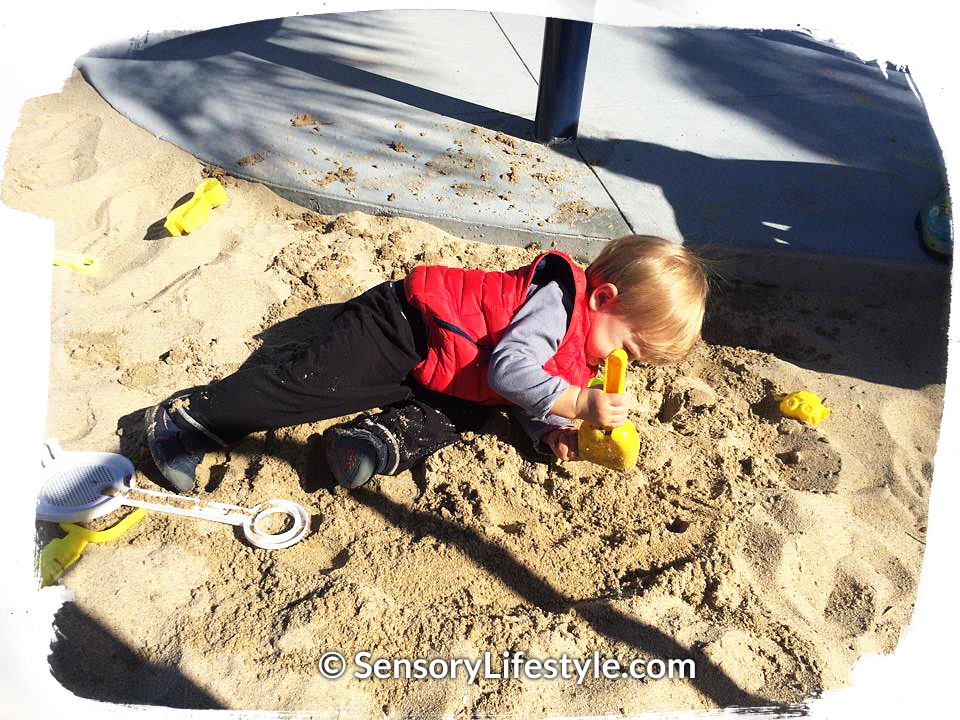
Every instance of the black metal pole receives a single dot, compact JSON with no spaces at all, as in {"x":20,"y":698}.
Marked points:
{"x":562,"y":70}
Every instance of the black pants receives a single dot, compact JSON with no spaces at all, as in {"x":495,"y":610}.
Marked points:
{"x":361,"y":360}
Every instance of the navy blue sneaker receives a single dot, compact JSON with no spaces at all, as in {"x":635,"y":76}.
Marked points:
{"x":176,"y":452}
{"x":354,"y":455}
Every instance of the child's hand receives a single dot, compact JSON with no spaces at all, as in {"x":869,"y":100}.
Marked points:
{"x":563,"y":442}
{"x":602,"y":409}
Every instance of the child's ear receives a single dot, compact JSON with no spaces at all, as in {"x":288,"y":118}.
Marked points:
{"x":602,"y":296}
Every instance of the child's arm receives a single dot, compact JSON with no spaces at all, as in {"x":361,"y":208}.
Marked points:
{"x":563,"y":441}
{"x":517,"y":374}
{"x":516,"y":365}
{"x":593,"y":405}
{"x":552,"y":435}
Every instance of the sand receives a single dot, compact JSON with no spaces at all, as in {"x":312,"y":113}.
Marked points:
{"x":771,"y":553}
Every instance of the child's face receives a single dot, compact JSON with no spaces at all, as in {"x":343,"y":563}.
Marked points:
{"x":608,"y":331}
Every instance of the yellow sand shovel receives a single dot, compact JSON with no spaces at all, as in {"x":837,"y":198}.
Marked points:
{"x":61,"y":553}
{"x":619,"y":448}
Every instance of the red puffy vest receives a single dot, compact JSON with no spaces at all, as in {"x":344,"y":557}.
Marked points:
{"x":466,"y":313}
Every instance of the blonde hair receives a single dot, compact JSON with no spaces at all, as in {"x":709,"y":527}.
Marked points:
{"x":661,"y":292}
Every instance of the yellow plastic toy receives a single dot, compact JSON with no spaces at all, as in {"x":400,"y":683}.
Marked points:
{"x":188,"y":216}
{"x":85,"y":264}
{"x":619,"y":448}
{"x":804,"y":406}
{"x":61,"y":553}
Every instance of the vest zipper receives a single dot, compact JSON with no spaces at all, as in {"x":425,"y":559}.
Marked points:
{"x":457,"y":331}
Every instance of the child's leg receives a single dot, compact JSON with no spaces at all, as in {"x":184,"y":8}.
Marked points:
{"x":359,"y":361}
{"x":399,"y":437}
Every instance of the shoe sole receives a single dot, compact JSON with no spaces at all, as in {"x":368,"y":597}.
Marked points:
{"x":180,"y":481}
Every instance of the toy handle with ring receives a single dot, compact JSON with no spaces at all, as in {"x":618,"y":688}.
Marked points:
{"x":249,"y":519}
{"x":276,"y":541}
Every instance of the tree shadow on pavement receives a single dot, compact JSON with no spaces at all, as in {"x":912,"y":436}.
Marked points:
{"x":319,"y":46}
{"x":808,"y":92}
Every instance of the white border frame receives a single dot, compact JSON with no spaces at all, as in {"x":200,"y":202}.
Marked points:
{"x":39,"y":42}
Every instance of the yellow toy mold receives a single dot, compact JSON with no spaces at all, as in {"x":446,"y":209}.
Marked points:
{"x":804,"y":406}
{"x":188,"y":216}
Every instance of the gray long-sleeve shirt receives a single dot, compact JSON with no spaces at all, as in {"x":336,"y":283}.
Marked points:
{"x":516,"y":365}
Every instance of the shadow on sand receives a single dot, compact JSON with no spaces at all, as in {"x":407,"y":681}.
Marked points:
{"x":90,"y":661}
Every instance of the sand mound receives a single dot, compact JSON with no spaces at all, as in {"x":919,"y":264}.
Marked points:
{"x":771,"y":553}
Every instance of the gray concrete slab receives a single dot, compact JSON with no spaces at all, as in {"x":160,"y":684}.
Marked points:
{"x":525,"y":33}
{"x":748,"y":139}
{"x":757,"y":139}
{"x":760,"y":139}
{"x":345,"y":111}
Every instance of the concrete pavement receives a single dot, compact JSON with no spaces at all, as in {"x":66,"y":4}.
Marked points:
{"x":763,"y":140}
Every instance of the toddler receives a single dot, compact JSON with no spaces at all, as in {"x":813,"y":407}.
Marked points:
{"x":430,"y":351}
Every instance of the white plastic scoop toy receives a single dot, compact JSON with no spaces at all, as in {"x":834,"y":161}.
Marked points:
{"x":79,"y":486}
